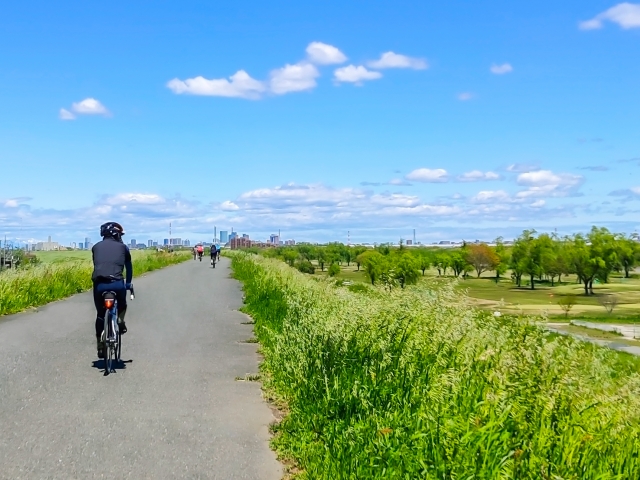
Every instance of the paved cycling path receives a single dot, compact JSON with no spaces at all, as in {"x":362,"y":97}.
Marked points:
{"x":175,"y":411}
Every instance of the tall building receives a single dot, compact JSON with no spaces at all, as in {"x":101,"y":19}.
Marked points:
{"x":165,"y":241}
{"x":233,"y":235}
{"x":133,"y":243}
{"x":155,"y":244}
{"x":150,"y":243}
{"x":244,"y":235}
{"x":224,"y":236}
{"x":81,"y":245}
{"x":175,"y":241}
{"x":187,"y":243}
{"x":274,"y":239}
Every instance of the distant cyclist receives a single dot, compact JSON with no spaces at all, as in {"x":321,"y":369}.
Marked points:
{"x":214,"y":255}
{"x":200,"y":250}
{"x":110,"y":258}
{"x":194,"y":252}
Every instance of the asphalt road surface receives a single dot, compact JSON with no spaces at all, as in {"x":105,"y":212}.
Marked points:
{"x":172,"y":410}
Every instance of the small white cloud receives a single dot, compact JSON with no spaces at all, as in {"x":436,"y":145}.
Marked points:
{"x":293,"y":78}
{"x":538,"y":203}
{"x":323,"y":54}
{"x":427,"y":175}
{"x":66,"y":114}
{"x":89,"y":106}
{"x":240,"y":86}
{"x":11,"y":203}
{"x":501,"y":69}
{"x":626,"y":15}
{"x":522,"y":167}
{"x":395,"y":60}
{"x":490,"y":196}
{"x":478,"y":176}
{"x":228,"y":206}
{"x":465,"y":96}
{"x":356,"y":75}
{"x":636,"y":190}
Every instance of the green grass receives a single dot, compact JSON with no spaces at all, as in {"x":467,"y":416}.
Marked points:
{"x":22,"y":289}
{"x":415,"y":384}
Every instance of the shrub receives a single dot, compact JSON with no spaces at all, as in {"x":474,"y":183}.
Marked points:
{"x":334,"y":269}
{"x":566,"y":303}
{"x":305,"y":266}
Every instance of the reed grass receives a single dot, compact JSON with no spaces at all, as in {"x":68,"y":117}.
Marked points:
{"x":22,"y":289}
{"x":415,"y":384}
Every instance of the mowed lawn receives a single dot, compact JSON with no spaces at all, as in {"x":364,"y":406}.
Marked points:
{"x":505,"y":296}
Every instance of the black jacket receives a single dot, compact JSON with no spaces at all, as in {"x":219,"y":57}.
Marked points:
{"x":110,"y":258}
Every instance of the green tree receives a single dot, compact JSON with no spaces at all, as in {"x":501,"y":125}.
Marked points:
{"x":290,"y":255}
{"x":321,"y":256}
{"x":628,"y":252}
{"x":424,"y":259}
{"x":458,"y":262}
{"x":374,"y":265}
{"x":406,"y":270}
{"x":503,"y":259}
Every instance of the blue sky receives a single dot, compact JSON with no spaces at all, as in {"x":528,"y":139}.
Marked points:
{"x":461,"y":120}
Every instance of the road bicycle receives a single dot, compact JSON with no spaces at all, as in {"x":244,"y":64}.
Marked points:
{"x":213,"y":261}
{"x":111,"y":337}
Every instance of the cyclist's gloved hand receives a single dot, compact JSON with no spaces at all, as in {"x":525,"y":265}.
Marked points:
{"x":128,"y":286}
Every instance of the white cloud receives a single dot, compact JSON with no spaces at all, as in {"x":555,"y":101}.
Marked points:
{"x":355,"y":74}
{"x":89,"y":106}
{"x":538,"y":203}
{"x":395,"y":60}
{"x":522,"y":167}
{"x":293,"y":78}
{"x":501,"y":69}
{"x":546,"y":183}
{"x":323,"y":54}
{"x":636,"y":190}
{"x":428,"y":175}
{"x":626,"y":15}
{"x":228,"y":206}
{"x":66,"y":114}
{"x":489,"y":196}
{"x":240,"y":86}
{"x":465,"y":96}
{"x":478,"y":176}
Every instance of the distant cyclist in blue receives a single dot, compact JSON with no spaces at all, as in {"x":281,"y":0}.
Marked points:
{"x":214,"y":254}
{"x":110,"y":258}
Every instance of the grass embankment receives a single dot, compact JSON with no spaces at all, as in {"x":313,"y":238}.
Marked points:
{"x":39,"y":285}
{"x":414,"y":384}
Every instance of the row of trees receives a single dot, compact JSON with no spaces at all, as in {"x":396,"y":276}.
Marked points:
{"x":536,"y":257}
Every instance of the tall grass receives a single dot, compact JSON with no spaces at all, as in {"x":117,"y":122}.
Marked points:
{"x":415,"y":384}
{"x":37,"y":286}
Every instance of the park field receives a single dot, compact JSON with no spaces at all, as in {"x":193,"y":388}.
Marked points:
{"x":505,"y":297}
{"x":76,"y":255}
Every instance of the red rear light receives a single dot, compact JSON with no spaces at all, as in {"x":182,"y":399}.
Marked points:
{"x":108,"y":302}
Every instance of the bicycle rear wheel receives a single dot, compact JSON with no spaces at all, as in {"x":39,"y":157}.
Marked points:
{"x":105,"y":342}
{"x":118,"y":345}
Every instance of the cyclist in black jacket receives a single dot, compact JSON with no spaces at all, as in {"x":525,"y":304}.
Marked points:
{"x":110,"y":258}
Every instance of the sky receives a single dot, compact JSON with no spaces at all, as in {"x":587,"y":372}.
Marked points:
{"x":360,"y":120}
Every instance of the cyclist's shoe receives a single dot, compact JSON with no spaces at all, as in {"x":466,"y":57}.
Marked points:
{"x":122,"y":327}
